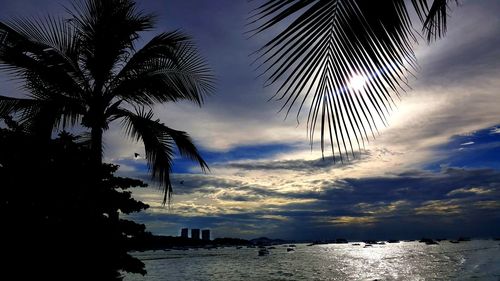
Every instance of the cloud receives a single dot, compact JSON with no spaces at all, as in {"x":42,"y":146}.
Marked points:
{"x":346,"y":220}
{"x":410,"y":198}
{"x":488,"y":204}
{"x":275,"y":217}
{"x":473,"y":190}
{"x":439,"y":207}
{"x":302,"y":165}
{"x":381,"y":208}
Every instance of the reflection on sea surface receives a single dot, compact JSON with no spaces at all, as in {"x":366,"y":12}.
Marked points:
{"x":479,"y":260}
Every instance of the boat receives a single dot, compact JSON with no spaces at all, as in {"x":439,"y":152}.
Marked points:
{"x":263,"y":252}
{"x":289,"y":249}
{"x":426,"y":240}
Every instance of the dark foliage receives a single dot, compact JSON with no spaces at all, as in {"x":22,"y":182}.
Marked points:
{"x":57,"y":224}
{"x":159,"y":242}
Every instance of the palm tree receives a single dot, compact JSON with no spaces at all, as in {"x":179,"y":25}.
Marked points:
{"x":86,"y":70}
{"x":345,"y":59}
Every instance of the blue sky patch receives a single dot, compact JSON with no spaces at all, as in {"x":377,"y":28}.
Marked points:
{"x":477,"y":150}
{"x":249,"y":152}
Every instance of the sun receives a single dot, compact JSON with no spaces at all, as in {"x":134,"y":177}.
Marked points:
{"x":357,"y":82}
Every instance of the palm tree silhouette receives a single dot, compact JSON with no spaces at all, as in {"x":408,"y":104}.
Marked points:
{"x":86,"y":70}
{"x":345,"y":59}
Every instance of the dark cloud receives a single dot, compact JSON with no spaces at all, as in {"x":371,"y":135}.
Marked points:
{"x":417,"y":185}
{"x":301,"y":165}
{"x":469,"y":50}
{"x":466,"y":201}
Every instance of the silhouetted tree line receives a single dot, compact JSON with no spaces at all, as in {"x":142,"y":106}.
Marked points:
{"x":57,"y":224}
{"x":158,"y":242}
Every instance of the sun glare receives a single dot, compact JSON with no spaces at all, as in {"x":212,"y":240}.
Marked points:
{"x":357,"y":82}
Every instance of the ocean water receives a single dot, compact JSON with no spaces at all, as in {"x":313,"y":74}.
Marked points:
{"x":474,"y":260}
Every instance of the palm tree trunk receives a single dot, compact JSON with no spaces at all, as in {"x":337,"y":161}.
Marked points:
{"x":96,"y":162}
{"x":96,"y":149}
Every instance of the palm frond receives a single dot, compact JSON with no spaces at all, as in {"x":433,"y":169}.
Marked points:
{"x":168,"y":68}
{"x":162,"y":45}
{"x":107,"y":30}
{"x":433,"y":17}
{"x":159,"y":141}
{"x":10,"y":105}
{"x":43,"y":49}
{"x":40,"y":116}
{"x":330,"y":43}
{"x":347,"y":61}
{"x":186,"y":147}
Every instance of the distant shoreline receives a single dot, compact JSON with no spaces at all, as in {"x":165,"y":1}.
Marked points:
{"x":158,"y":242}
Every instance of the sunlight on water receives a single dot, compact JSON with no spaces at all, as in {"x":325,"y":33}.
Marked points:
{"x":479,"y":260}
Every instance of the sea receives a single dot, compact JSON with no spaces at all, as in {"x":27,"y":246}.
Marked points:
{"x":473,"y":260}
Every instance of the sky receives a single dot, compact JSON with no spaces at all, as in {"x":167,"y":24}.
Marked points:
{"x":433,"y":171}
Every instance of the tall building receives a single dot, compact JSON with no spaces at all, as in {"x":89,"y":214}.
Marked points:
{"x":205,"y":235}
{"x":195,"y":233}
{"x":184,"y":232}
